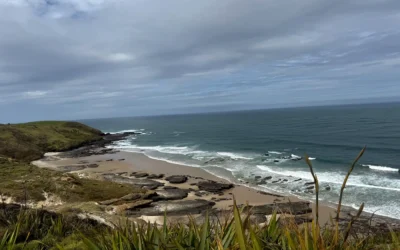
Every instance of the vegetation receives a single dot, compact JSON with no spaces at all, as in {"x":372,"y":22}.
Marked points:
{"x":26,"y":182}
{"x":23,"y":228}
{"x":29,"y":141}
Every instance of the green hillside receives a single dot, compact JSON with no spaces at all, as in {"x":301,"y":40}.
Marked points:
{"x":29,"y":141}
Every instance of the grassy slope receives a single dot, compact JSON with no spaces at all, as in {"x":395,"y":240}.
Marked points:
{"x":21,"y":143}
{"x":29,"y":141}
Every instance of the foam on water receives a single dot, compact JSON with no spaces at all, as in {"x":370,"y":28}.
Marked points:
{"x":335,"y":178}
{"x":233,"y":156}
{"x":275,"y":152}
{"x":127,"y":131}
{"x":381,"y":168}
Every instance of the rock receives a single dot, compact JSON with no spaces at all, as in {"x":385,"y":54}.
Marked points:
{"x":276,"y":160}
{"x":275,"y":181}
{"x":108,"y":202}
{"x":182,"y":207}
{"x":309,"y":183}
{"x":92,"y":165}
{"x":257,"y":177}
{"x":300,"y":207}
{"x":327,"y":188}
{"x":170,"y":194}
{"x":284,"y":180}
{"x":271,"y":194}
{"x":121,"y":159}
{"x":83,"y":162}
{"x":176,"y":179}
{"x":257,"y":219}
{"x":131,"y":197}
{"x":214,"y":187}
{"x":132,"y":205}
{"x":110,"y":160}
{"x":262,"y":182}
{"x":198,"y":193}
{"x":155,"y":176}
{"x":267,"y":178}
{"x":139,"y":175}
{"x":71,"y":168}
{"x":149,"y":184}
{"x":310,"y":187}
{"x":169,"y":187}
{"x":266,"y":154}
{"x":298,"y":179}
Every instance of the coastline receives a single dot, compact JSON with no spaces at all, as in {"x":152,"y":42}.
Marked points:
{"x":138,"y":162}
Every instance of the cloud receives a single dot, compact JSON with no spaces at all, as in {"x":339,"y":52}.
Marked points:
{"x":135,"y":57}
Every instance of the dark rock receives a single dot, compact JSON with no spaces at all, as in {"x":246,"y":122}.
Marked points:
{"x":310,"y":187}
{"x":155,"y":176}
{"x":110,"y":160}
{"x":182,"y":207}
{"x":139,"y":175}
{"x":267,"y":178}
{"x":328,"y":188}
{"x":170,"y":194}
{"x":309,"y":183}
{"x":143,"y":183}
{"x":83,"y":162}
{"x":262,"y":182}
{"x":132,"y":205}
{"x":275,"y":181}
{"x":213,"y":187}
{"x":300,"y":207}
{"x":198,"y":193}
{"x":92,"y":165}
{"x":257,"y":218}
{"x":298,"y":179}
{"x":121,"y":159}
{"x":266,"y":154}
{"x":284,"y":180}
{"x":276,"y":160}
{"x":257,"y":177}
{"x":130,"y":197}
{"x":169,"y":187}
{"x":271,"y":194}
{"x":176,"y":179}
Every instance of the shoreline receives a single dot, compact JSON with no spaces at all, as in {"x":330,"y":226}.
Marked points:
{"x":124,"y":164}
{"x":139,"y":162}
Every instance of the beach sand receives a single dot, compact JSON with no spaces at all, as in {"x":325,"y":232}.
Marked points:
{"x":136,"y":162}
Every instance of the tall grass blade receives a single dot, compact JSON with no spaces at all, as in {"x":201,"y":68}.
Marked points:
{"x":345,"y":182}
{"x":240,"y":237}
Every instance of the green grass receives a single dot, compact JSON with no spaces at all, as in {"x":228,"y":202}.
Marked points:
{"x":29,"y":141}
{"x":27,"y":182}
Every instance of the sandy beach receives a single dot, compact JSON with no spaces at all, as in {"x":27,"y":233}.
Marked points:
{"x":127,"y":162}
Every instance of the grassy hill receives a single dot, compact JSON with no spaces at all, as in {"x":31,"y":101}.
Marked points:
{"x":29,"y":141}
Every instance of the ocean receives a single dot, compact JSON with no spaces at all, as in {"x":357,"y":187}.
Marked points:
{"x":269,"y":143}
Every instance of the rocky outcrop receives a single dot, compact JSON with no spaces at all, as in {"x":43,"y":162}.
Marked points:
{"x":182,"y":207}
{"x":170,"y":194}
{"x":214,"y":187}
{"x":295,"y":208}
{"x":142,"y":183}
{"x":176,"y":179}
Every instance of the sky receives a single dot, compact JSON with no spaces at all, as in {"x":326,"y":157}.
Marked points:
{"x":76,"y":59}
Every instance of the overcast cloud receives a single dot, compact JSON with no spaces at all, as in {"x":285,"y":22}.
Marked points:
{"x":72,"y":59}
